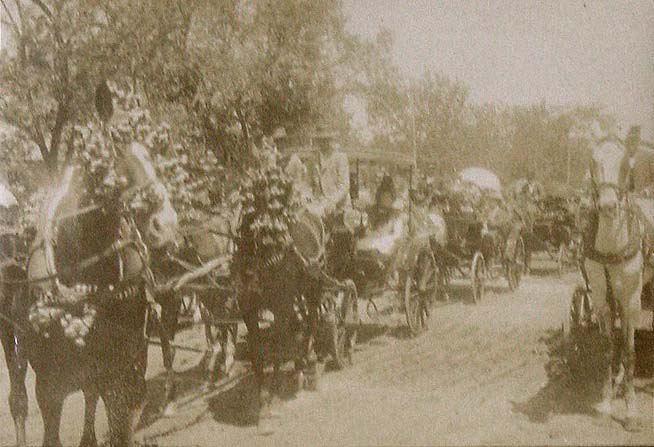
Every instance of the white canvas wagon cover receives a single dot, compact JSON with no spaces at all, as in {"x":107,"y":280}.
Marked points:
{"x":482,"y":178}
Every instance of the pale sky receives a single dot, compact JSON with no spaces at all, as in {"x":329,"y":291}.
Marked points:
{"x":525,"y":51}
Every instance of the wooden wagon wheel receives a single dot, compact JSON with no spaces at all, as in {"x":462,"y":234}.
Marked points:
{"x":343,"y":327}
{"x":478,"y":276}
{"x":579,"y":313}
{"x":420,"y":288}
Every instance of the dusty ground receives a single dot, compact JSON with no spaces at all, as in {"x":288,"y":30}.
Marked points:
{"x":490,"y":373}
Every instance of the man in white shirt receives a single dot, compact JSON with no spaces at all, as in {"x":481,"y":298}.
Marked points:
{"x":333,"y":176}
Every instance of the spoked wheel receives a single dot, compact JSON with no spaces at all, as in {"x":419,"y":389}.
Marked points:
{"x":579,"y":314}
{"x":420,"y":288}
{"x":514,"y":266}
{"x":343,"y":329}
{"x":478,"y":276}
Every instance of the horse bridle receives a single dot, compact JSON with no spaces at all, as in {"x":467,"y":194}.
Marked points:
{"x":622,"y":192}
{"x":135,"y":240}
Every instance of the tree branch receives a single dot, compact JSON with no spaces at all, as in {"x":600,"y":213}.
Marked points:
{"x":11,"y":18}
{"x":42,"y":6}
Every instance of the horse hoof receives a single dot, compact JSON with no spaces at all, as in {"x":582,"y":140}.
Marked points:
{"x":300,"y":382}
{"x":603,"y":409}
{"x":169,"y":411}
{"x":633,"y":425}
{"x":313,"y":381}
{"x":265,"y":427}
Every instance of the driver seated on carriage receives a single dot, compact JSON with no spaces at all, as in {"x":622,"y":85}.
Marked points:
{"x":324,"y":189}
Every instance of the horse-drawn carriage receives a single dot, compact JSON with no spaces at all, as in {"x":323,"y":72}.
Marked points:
{"x":617,"y":267}
{"x":550,"y":221}
{"x":394,"y":239}
{"x":553,"y":230}
{"x":483,"y":238}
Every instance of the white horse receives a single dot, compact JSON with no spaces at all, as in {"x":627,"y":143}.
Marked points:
{"x":616,"y":267}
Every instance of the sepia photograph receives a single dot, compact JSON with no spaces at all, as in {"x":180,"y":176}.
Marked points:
{"x":326,"y":223}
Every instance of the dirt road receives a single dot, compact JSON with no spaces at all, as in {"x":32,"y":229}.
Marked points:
{"x":490,"y":373}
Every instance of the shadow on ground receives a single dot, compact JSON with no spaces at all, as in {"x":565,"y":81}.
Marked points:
{"x":461,"y":291}
{"x":573,"y":372}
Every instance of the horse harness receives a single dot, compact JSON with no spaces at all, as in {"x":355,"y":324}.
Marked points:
{"x":637,"y":242}
{"x":636,"y":239}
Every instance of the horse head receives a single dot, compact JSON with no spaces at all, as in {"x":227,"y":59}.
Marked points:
{"x":69,"y":234}
{"x":610,"y":172}
{"x":156,"y":218}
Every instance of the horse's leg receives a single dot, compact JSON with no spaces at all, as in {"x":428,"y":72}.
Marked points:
{"x":598,"y":283}
{"x":213,"y":347}
{"x":309,"y":353}
{"x":51,"y":400}
{"x":528,"y":252}
{"x":17,"y":368}
{"x":90,"y":404}
{"x":229,"y":347}
{"x":630,"y":306}
{"x":167,"y":329}
{"x":124,"y":400}
{"x":255,"y":350}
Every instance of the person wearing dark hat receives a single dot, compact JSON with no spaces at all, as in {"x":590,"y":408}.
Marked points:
{"x":387,"y":223}
{"x":384,"y":207}
{"x":641,"y":161}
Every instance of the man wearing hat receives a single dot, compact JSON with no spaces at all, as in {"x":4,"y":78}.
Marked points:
{"x":642,"y":163}
{"x":333,"y":176}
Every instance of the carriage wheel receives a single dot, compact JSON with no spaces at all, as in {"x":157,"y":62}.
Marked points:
{"x":579,"y":314}
{"x":343,"y":329}
{"x":514,"y":266}
{"x":478,"y":273}
{"x":420,"y":288}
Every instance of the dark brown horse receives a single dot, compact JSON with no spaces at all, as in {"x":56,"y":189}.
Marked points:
{"x":291,"y":288}
{"x":95,"y":256}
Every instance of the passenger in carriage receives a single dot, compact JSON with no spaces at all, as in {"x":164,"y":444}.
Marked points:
{"x":386,"y":220}
{"x":293,"y":165}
